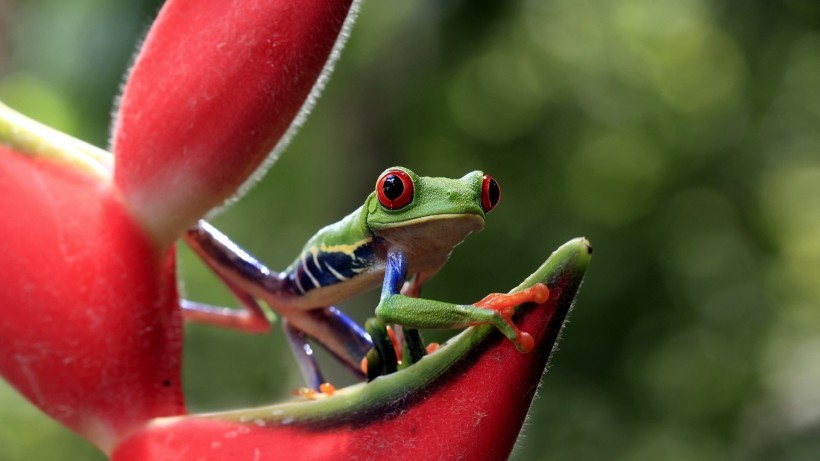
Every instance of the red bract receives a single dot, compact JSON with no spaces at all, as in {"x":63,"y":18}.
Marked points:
{"x":90,"y":321}
{"x":212,"y":91}
{"x":468,"y":400}
{"x":90,"y":325}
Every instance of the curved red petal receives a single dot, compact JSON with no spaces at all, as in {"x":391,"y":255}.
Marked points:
{"x":213,"y":89}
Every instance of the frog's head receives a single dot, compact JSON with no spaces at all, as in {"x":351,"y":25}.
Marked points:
{"x":426,"y":216}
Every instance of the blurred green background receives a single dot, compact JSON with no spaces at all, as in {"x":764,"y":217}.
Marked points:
{"x":681,"y":137}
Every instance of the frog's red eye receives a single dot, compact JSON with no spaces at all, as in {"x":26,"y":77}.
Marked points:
{"x":490,"y":193}
{"x":395,"y":189}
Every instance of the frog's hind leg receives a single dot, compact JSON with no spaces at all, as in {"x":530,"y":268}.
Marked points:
{"x":335,"y":332}
{"x":250,"y":280}
{"x":238,"y":271}
{"x":250,"y":317}
{"x":305,"y":357}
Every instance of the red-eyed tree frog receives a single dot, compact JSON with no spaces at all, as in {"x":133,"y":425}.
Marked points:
{"x":400,"y":237}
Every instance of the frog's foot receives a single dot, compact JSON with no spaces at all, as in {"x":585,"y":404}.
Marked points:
{"x":325,"y":390}
{"x":505,"y":305}
{"x":382,"y":359}
{"x":390,"y":352}
{"x":395,"y":341}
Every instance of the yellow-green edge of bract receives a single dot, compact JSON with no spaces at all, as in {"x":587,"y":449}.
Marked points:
{"x":32,"y":138}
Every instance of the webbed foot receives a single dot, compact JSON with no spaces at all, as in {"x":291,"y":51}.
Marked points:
{"x":505,"y":304}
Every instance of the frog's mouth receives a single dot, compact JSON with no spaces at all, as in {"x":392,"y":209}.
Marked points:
{"x":447,"y":217}
{"x":429,"y":240}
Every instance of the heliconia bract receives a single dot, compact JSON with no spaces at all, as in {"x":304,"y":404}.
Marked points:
{"x":91,"y":329}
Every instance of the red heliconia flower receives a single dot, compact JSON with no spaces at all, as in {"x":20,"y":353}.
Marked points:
{"x":467,"y":400}
{"x":90,"y":320}
{"x":90,"y":326}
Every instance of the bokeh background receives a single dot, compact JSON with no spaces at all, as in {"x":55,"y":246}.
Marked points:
{"x":681,"y":137}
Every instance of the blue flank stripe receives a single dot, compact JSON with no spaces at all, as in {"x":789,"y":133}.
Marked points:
{"x":310,"y":275}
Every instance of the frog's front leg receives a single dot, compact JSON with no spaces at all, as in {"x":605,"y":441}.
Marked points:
{"x":408,"y":343}
{"x":496,"y":310}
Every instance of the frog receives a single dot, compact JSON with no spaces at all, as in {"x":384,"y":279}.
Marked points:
{"x":399,"y":238}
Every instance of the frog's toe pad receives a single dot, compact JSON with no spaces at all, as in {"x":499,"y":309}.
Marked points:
{"x":524,"y":343}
